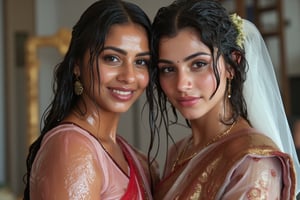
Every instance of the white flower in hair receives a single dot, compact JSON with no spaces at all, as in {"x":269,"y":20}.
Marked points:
{"x":238,"y":22}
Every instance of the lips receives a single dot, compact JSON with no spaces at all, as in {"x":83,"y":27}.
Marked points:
{"x":122,"y":94}
{"x":188,"y":101}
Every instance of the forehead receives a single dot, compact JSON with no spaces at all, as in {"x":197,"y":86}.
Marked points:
{"x":186,"y":42}
{"x":129,"y":32}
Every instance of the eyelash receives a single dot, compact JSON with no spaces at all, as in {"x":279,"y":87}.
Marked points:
{"x":200,"y":64}
{"x":166,"y":69}
{"x":196,"y":66}
{"x":145,"y":62}
{"x":111,"y":58}
{"x":141,"y":62}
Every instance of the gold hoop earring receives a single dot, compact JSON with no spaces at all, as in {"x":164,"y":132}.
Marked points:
{"x":78,"y":88}
{"x":229,"y":88}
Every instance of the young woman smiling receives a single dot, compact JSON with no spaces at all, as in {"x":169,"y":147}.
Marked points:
{"x":79,"y":154}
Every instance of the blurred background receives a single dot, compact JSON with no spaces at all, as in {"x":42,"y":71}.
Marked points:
{"x":278,"y":20}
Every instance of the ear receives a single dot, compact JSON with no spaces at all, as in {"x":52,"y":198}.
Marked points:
{"x":236,"y":56}
{"x":229,"y":72}
{"x":76,"y":70}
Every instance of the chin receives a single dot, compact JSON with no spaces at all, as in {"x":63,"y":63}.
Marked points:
{"x":190,"y":115}
{"x":121,"y":110}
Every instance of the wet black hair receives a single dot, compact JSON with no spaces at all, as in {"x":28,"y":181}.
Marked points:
{"x":88,"y":35}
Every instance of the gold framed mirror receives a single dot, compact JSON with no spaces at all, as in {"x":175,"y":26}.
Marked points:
{"x":60,"y":41}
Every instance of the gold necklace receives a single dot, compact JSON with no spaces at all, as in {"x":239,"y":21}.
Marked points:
{"x":213,"y":140}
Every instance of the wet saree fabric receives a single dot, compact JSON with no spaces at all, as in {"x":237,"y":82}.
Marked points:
{"x":57,"y":170}
{"x":244,"y":165}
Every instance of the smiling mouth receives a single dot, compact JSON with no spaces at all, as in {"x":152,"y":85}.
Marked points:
{"x":124,"y":93}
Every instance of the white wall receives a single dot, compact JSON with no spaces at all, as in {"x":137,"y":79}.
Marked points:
{"x":51,"y":15}
{"x":2,"y":143}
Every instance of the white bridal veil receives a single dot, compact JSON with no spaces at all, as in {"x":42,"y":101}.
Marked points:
{"x":262,"y":95}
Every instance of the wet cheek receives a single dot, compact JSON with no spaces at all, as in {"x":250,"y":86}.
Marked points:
{"x":107,"y":74}
{"x":207,"y":84}
{"x":165,"y":85}
{"x":143,"y":79}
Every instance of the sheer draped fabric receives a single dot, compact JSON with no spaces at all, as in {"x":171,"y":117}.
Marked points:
{"x":254,"y":177}
{"x":71,"y":161}
{"x":264,"y":104}
{"x":244,"y":165}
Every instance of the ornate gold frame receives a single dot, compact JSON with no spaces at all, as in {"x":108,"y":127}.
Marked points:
{"x":60,"y":41}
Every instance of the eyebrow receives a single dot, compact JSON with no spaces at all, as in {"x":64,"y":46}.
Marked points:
{"x":186,"y":58}
{"x":121,"y":51}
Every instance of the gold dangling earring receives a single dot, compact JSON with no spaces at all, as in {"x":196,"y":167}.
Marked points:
{"x":78,"y":88}
{"x":229,"y":88}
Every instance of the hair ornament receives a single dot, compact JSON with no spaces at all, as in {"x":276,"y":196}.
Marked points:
{"x":238,"y":22}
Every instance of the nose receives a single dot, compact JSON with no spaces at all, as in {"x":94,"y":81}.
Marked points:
{"x":127,"y":74}
{"x":184,"y":81}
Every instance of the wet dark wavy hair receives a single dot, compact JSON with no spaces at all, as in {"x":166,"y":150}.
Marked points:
{"x":89,"y":33}
{"x":218,"y":33}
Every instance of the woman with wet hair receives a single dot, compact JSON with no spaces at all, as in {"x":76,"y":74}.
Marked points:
{"x":79,"y":154}
{"x":214,"y":69}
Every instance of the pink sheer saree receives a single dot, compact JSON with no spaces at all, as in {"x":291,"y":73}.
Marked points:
{"x":71,"y":161}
